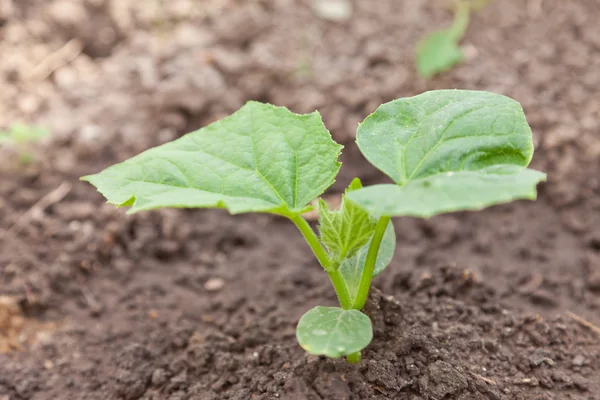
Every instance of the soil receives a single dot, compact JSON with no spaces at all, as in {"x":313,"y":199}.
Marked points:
{"x":196,"y":304}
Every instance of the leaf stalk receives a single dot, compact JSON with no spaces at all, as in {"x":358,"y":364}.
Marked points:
{"x":328,"y":265}
{"x":354,"y":358}
{"x":367,"y":275}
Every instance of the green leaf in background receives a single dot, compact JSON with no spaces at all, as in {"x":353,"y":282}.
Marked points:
{"x":333,"y":331}
{"x":439,"y":51}
{"x":19,"y":133}
{"x":346,"y":230}
{"x":352,"y":268}
{"x":447,"y":150}
{"x":262,"y":158}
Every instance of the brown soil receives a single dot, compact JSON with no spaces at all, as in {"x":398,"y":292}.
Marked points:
{"x":182,"y":304}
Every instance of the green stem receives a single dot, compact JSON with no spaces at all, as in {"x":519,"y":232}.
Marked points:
{"x":332,"y":270}
{"x":461,"y":20}
{"x":340,"y":288}
{"x":367,"y":275}
{"x":354,"y":358}
{"x":312,"y":240}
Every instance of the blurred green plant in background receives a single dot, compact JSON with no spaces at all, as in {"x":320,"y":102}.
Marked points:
{"x":439,"y":51}
{"x":18,"y":139}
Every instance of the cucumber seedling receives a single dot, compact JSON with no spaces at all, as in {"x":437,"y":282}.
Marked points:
{"x":439,"y":51}
{"x":19,"y":137}
{"x":444,"y":151}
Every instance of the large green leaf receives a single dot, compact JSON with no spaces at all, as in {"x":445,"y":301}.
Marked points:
{"x":439,"y":51}
{"x":261,"y":158}
{"x":447,"y":150}
{"x":451,"y":191}
{"x":333,"y":331}
{"x":352,"y":268}
{"x":346,"y":230}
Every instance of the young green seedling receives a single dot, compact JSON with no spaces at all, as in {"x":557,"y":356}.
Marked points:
{"x":439,"y":51}
{"x":18,"y":136}
{"x":444,"y":150}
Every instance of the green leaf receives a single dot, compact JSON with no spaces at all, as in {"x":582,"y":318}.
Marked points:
{"x":20,"y":133}
{"x":346,"y":230}
{"x":333,"y":331}
{"x":447,"y":150}
{"x":452,"y":191}
{"x":262,"y":158}
{"x":352,"y":268}
{"x":439,"y":51}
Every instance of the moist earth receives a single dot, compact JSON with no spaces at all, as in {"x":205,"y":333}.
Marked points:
{"x":196,"y":304}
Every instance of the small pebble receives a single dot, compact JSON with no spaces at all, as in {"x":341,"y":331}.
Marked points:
{"x":214,"y":284}
{"x":333,"y":10}
{"x":578,"y":360}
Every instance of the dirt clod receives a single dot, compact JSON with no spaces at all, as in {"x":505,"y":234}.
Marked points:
{"x":440,"y":380}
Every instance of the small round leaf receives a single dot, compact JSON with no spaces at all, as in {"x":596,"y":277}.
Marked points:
{"x":333,"y":331}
